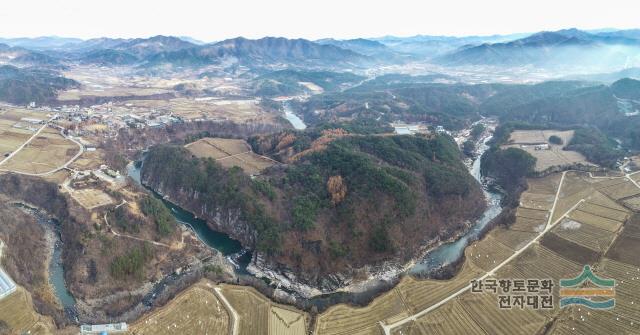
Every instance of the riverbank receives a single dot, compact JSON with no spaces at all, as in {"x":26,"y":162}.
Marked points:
{"x":371,"y":277}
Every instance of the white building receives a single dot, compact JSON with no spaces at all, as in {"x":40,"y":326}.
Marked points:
{"x":7,"y":286}
{"x":108,"y":328}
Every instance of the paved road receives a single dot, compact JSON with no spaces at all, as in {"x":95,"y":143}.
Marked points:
{"x":549,"y":225}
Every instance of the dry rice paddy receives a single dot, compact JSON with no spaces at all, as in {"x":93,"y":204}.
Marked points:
{"x":45,"y":153}
{"x":230,"y":153}
{"x":195,"y":311}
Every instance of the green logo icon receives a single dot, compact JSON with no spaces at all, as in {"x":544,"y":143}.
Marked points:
{"x":575,"y":292}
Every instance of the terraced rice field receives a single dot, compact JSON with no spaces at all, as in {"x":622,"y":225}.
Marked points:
{"x":420,"y":294}
{"x":539,"y":262}
{"x":632,"y":203}
{"x":258,"y":315}
{"x":534,"y":214}
{"x":594,"y":220}
{"x":546,"y":185}
{"x":252,"y":309}
{"x":344,"y":319}
{"x":540,"y":201}
{"x":487,"y":253}
{"x":283,"y":321}
{"x":584,"y":234}
{"x":450,"y":319}
{"x":195,"y":311}
{"x":625,"y":189}
{"x":628,"y":285}
{"x":528,"y":225}
{"x":512,"y":238}
{"x":484,"y":310}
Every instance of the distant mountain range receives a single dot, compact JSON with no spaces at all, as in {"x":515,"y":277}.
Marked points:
{"x":595,"y":51}
{"x":569,"y":47}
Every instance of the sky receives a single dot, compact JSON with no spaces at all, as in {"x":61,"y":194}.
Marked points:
{"x":215,"y":20}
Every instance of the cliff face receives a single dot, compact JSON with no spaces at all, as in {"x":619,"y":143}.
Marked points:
{"x":338,"y":205}
{"x":226,"y":220}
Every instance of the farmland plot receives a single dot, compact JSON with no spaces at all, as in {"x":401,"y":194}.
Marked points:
{"x":483,"y":309}
{"x":585,"y":234}
{"x":450,"y":319}
{"x":195,"y":311}
{"x":252,"y":309}
{"x":487,"y":253}
{"x":343,"y":319}
{"x":420,"y":294}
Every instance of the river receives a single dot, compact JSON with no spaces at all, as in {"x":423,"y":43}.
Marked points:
{"x":295,"y":121}
{"x":442,"y":255}
{"x":213,"y":239}
{"x":448,"y":253}
{"x":56,"y":267}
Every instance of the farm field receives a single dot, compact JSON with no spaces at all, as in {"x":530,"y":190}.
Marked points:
{"x":420,"y":294}
{"x":554,"y":155}
{"x":196,"y":310}
{"x":91,"y":198}
{"x":484,"y":310}
{"x":344,"y":319}
{"x":106,"y":91}
{"x":555,"y":256}
{"x":208,"y":108}
{"x":258,"y":315}
{"x":632,"y":203}
{"x":16,"y":310}
{"x":487,"y":253}
{"x":585,"y":234}
{"x":450,"y":319}
{"x":230,"y":153}
{"x":624,"y":189}
{"x":528,"y":225}
{"x":43,"y":154}
{"x":13,"y":131}
{"x":283,"y":321}
{"x":90,"y":160}
{"x":595,"y":220}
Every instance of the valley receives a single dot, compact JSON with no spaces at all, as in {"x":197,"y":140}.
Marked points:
{"x":290,"y":186}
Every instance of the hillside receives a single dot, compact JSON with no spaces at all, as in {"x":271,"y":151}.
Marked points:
{"x":340,"y":203}
{"x":292,"y":82}
{"x":627,"y":89}
{"x":24,"y":85}
{"x":264,"y":52}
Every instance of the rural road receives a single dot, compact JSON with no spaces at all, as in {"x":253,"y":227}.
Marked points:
{"x":27,"y":141}
{"x":132,"y":237}
{"x":234,"y":315}
{"x":64,"y":166}
{"x":549,"y":225}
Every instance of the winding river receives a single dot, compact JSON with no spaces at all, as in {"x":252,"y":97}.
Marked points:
{"x":448,"y":253}
{"x":56,"y":268}
{"x":440,"y":256}
{"x":294,"y":119}
{"x":213,"y":239}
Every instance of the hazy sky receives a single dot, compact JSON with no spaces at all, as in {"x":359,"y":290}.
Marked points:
{"x":215,"y":20}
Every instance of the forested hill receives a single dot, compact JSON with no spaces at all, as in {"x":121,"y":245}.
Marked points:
{"x":339,"y":202}
{"x":24,"y":85}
